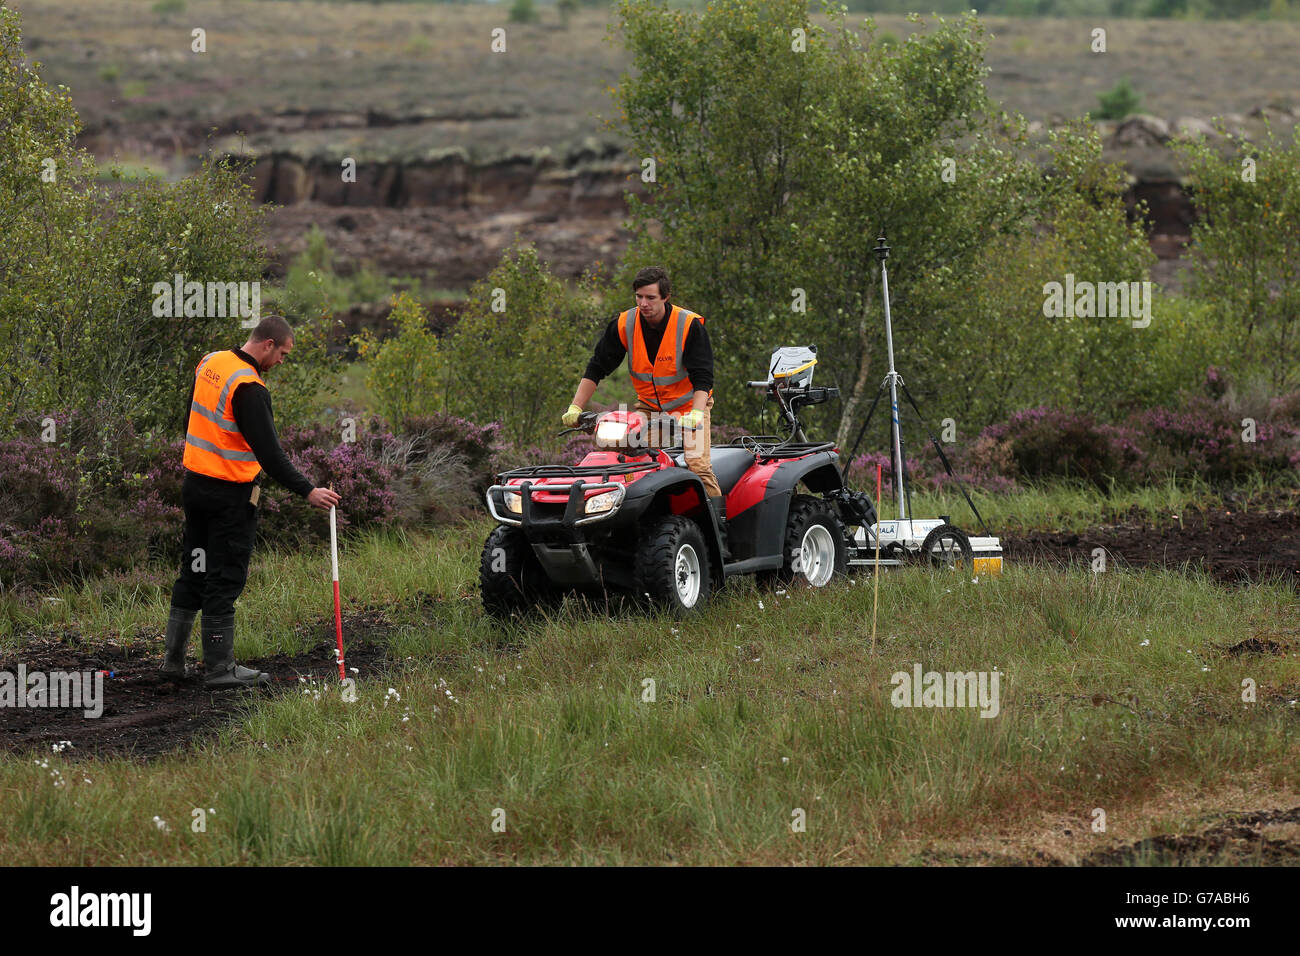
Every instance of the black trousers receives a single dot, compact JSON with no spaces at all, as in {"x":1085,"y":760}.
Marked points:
{"x":220,"y":525}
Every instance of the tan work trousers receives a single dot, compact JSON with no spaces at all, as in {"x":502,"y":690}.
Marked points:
{"x":696,"y":448}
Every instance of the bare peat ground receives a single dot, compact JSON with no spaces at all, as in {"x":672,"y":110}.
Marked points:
{"x":1233,"y":547}
{"x":146,"y":715}
{"x":1269,"y":837}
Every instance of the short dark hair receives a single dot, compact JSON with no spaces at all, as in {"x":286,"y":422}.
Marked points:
{"x":650,"y":276}
{"x":272,"y":327}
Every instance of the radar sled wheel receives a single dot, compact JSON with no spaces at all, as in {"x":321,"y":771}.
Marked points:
{"x":814,"y":549}
{"x":672,"y":566}
{"x":948,"y":548}
{"x":511,"y":578}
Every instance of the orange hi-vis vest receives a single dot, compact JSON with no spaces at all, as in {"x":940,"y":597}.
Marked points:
{"x":661,"y":382}
{"x":214,"y":445}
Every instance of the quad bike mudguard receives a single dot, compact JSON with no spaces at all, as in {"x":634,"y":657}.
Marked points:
{"x":759,"y":506}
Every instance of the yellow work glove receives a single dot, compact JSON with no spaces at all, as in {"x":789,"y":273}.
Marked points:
{"x":570,"y":418}
{"x":693,"y":418}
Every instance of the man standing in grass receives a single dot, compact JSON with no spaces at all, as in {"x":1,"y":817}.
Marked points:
{"x":229,"y":439}
{"x":671,"y":363}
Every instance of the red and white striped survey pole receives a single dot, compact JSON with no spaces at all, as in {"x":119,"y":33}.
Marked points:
{"x":338,"y":609}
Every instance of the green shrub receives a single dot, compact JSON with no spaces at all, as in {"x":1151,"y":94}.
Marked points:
{"x":1246,"y":252}
{"x":1119,"y":101}
{"x":523,"y":11}
{"x":405,"y":371}
{"x":519,"y":348}
{"x":78,"y":326}
{"x":312,"y":282}
{"x":776,"y":173}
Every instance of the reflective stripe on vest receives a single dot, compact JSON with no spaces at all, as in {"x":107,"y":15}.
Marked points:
{"x":214,"y":445}
{"x":665,"y":392}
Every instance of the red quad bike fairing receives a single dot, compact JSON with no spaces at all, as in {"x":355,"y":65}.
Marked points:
{"x":631,"y":518}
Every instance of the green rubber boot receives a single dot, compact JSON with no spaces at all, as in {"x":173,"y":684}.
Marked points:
{"x":219,"y":658}
{"x":179,"y":624}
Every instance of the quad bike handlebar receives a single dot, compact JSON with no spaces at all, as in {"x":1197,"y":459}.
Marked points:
{"x":587,"y":423}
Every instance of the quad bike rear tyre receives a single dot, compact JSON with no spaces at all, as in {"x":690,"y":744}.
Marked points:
{"x":947,"y":548}
{"x":511,"y":578}
{"x":815,"y":549}
{"x":672,"y":566}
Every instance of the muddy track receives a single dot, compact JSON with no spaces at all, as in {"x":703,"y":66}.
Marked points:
{"x":146,"y":715}
{"x":1263,"y":837}
{"x":1249,"y":838}
{"x":1232,"y":547}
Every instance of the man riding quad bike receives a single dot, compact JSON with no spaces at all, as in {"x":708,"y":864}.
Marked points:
{"x":632,"y":517}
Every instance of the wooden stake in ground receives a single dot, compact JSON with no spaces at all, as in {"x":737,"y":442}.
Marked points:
{"x":338,"y":608}
{"x":875,"y":574}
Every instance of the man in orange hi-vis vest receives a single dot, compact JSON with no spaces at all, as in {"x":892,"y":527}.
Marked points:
{"x":229,"y":439}
{"x":671,"y":363}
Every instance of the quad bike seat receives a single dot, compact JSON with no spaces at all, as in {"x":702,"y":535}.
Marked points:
{"x":728,"y":464}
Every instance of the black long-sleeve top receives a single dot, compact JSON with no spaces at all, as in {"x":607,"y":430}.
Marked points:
{"x":251,"y":406}
{"x":697,"y":352}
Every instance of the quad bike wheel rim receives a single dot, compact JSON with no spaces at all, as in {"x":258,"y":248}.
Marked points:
{"x":686,"y":575}
{"x":817,"y":555}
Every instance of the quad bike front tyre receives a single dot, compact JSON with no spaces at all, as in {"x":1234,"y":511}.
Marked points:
{"x":672,"y":566}
{"x":511,"y":578}
{"x":815,"y":549}
{"x":947,"y":548}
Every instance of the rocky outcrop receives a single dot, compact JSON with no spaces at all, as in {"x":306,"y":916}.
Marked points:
{"x":451,"y":180}
{"x":572,"y":204}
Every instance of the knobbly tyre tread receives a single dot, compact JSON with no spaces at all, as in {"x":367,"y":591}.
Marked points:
{"x":655,"y":560}
{"x":510,"y":593}
{"x":804,"y":509}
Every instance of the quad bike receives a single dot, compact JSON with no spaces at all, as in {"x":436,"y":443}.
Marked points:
{"x":631,"y":518}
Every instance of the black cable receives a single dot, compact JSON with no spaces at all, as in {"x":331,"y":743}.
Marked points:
{"x":863,"y":430}
{"x":944,"y":458}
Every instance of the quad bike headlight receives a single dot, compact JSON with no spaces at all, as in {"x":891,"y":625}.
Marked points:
{"x":514,"y":503}
{"x":599,"y":503}
{"x":610,"y":433}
